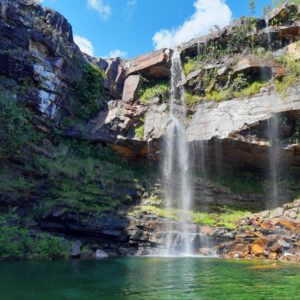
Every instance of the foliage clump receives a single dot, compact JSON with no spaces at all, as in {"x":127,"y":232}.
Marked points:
{"x":152,"y":90}
{"x":16,"y":129}
{"x":89,"y":91}
{"x":225,"y":216}
{"x":18,"y":242}
{"x":191,"y":99}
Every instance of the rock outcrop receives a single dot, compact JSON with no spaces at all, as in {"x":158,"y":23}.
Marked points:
{"x":275,"y":236}
{"x":37,"y":53}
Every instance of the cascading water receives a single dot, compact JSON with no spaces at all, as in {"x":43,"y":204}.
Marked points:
{"x":274,"y":160}
{"x":176,"y":161}
{"x":274,"y":152}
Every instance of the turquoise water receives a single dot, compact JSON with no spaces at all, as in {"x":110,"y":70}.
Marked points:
{"x":149,"y":278}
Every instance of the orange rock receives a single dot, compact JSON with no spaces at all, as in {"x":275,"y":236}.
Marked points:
{"x":258,"y":247}
{"x":273,"y":255}
{"x":288,"y":224}
{"x":266,"y":225}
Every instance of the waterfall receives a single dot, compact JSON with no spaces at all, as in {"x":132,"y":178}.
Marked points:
{"x":274,"y":160}
{"x":176,"y":159}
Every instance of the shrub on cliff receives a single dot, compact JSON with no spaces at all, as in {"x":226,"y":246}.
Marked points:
{"x":151,"y":90}
{"x":89,"y":91}
{"x":16,"y":129}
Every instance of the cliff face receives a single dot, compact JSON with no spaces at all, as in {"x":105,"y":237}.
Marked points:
{"x":83,"y":164}
{"x":39,"y":60}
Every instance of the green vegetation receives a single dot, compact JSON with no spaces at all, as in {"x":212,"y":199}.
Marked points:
{"x":239,"y":88}
{"x":105,"y":180}
{"x":152,"y":90}
{"x":16,"y":129}
{"x":190,"y":65}
{"x":281,"y":2}
{"x":225,"y":216}
{"x":139,"y":131}
{"x":293,"y":68}
{"x":89,"y":91}
{"x":18,"y":242}
{"x":238,"y":41}
{"x":190,"y":99}
{"x":71,"y":173}
{"x":12,"y":181}
{"x":284,"y":83}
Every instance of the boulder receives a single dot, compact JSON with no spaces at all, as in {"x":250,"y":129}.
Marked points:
{"x":76,"y":249}
{"x":101,"y":254}
{"x":294,"y":50}
{"x":153,"y":65}
{"x":258,"y":247}
{"x":257,"y":67}
{"x":130,"y":92}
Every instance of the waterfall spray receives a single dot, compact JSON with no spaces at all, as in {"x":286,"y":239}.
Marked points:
{"x":176,"y":160}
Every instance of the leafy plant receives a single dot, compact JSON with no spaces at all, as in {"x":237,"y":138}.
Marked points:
{"x":190,"y":99}
{"x":16,"y":129}
{"x":151,"y":91}
{"x":140,"y":130}
{"x":89,"y":91}
{"x":17,"y":241}
{"x":284,"y":83}
{"x":190,"y":65}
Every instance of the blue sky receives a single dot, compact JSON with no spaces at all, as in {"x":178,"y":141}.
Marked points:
{"x":132,"y":27}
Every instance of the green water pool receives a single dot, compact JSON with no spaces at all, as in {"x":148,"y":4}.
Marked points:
{"x":149,"y":278}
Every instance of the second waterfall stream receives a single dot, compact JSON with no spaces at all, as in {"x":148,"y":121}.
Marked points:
{"x":176,"y":168}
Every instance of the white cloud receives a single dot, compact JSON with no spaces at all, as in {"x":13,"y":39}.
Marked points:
{"x":103,"y":9}
{"x":116,"y":53}
{"x":207,"y":14}
{"x":84,"y":44}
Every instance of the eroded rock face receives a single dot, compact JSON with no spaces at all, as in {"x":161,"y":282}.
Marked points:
{"x":221,"y":119}
{"x":116,"y":127}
